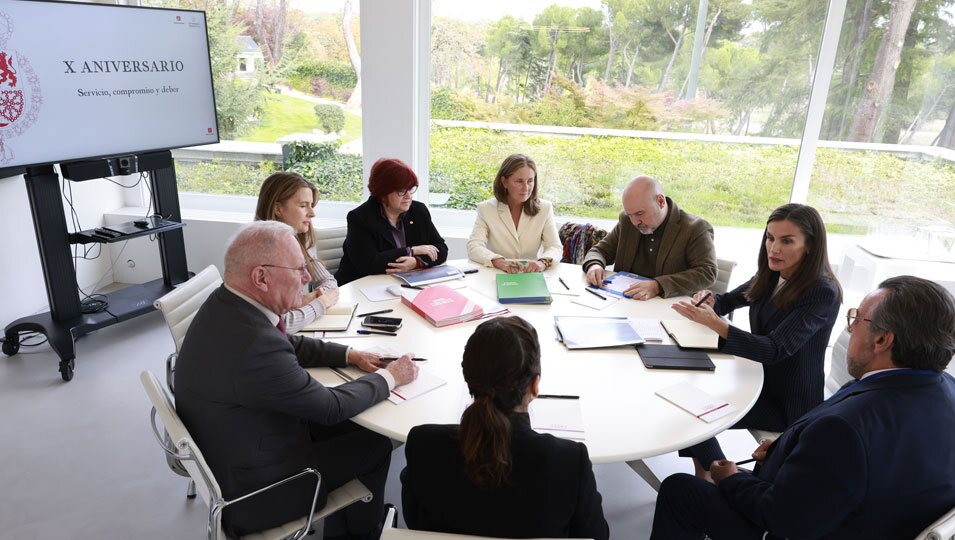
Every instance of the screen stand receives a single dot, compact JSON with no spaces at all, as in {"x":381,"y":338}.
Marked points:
{"x":66,"y":322}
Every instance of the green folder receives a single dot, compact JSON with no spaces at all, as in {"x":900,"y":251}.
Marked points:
{"x":527,"y":288}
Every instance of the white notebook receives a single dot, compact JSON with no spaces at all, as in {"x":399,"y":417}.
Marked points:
{"x":336,"y":318}
{"x":691,"y":335}
{"x":589,"y":300}
{"x":700,"y":404}
{"x":558,"y":416}
{"x":423,"y":383}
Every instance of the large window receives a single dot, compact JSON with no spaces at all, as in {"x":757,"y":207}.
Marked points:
{"x":287,"y":96}
{"x":885,"y":167}
{"x":600,"y":91}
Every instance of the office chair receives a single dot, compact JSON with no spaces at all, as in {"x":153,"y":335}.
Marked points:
{"x":724,"y":270}
{"x":176,"y":441}
{"x":392,"y":533}
{"x":942,"y":529}
{"x":328,"y":246}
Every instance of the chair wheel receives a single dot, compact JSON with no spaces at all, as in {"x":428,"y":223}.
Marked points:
{"x":11,"y":346}
{"x":66,"y":369}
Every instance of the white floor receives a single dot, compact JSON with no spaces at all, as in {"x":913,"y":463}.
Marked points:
{"x":79,"y":460}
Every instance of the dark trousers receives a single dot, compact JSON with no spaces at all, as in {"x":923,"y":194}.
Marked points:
{"x":689,"y":508}
{"x":708,"y":451}
{"x":340,"y":453}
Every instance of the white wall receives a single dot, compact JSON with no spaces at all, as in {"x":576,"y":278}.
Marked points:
{"x":22,"y":289}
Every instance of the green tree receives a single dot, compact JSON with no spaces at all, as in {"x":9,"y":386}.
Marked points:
{"x":237,"y":99}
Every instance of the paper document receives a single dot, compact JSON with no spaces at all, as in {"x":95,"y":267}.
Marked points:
{"x":557,"y":416}
{"x":691,"y":335}
{"x":337,"y":317}
{"x":649,"y":329}
{"x":696,"y":402}
{"x":595,"y":332}
{"x":573,"y":287}
{"x":379,"y":293}
{"x":591,"y":301}
{"x":618,"y":282}
{"x":423,"y":383}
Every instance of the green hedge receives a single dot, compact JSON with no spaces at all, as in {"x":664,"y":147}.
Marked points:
{"x":338,"y":176}
{"x":330,"y":117}
{"x":338,"y":74}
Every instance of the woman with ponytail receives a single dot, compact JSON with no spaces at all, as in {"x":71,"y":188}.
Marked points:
{"x":493,"y":475}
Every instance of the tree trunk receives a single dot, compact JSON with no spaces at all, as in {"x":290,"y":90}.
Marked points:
{"x":613,"y":46}
{"x":278,"y":40}
{"x":924,"y":114}
{"x":259,"y":33}
{"x":632,"y":63}
{"x":551,"y":63}
{"x":880,"y":83}
{"x":946,"y":138}
{"x":851,"y":69}
{"x":676,"y":50}
{"x":709,"y":29}
{"x":892,"y":131}
{"x":354,"y":102}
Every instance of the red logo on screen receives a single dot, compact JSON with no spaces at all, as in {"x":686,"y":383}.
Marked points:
{"x":208,"y":130}
{"x":178,"y":18}
{"x":20,"y":97}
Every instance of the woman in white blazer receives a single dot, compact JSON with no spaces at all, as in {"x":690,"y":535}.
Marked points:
{"x":515,"y":231}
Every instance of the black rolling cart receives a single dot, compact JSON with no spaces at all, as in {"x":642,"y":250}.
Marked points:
{"x":65,"y":322}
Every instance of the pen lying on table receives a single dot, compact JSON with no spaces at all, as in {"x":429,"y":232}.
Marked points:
{"x":405,"y":285}
{"x":387,"y":359}
{"x":556,"y":396}
{"x":369,"y":332}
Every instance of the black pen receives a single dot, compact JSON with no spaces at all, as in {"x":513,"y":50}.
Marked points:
{"x":705,"y":297}
{"x":472,"y":271}
{"x":374,"y":313}
{"x":600,"y":296}
{"x":556,"y":396}
{"x":745,"y":461}
{"x":405,"y":285}
{"x":387,"y":359}
{"x":561,"y":280}
{"x":368,"y":332}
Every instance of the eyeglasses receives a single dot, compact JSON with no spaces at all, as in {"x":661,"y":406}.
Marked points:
{"x":299,"y":269}
{"x":403,"y":192}
{"x":852,"y":318}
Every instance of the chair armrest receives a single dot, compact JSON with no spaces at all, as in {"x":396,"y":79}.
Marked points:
{"x":311,"y":512}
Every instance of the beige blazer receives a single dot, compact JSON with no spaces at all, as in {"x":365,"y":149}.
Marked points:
{"x":494,"y":234}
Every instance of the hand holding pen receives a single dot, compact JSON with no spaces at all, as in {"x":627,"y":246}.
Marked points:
{"x":704,"y":297}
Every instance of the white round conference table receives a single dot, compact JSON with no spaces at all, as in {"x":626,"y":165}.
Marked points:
{"x":624,"y":420}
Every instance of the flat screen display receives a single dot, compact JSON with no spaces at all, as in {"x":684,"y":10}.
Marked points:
{"x":82,"y":81}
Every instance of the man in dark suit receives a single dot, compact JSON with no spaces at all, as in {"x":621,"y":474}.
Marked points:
{"x":258,"y":416}
{"x":655,"y":239}
{"x":876,"y":460}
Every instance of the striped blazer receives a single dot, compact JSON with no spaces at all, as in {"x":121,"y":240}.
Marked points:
{"x":791,"y":346}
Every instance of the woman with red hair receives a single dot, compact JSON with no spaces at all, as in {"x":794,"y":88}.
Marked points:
{"x":390,"y":232}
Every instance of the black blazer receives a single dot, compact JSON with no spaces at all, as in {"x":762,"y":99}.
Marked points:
{"x":873,"y":462}
{"x":551,"y":491}
{"x":243,"y":393}
{"x":791,"y":346}
{"x":369,"y":245}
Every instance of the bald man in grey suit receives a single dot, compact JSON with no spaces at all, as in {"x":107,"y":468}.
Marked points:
{"x":256,"y":413}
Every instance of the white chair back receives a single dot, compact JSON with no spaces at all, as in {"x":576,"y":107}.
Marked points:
{"x":409,"y":534}
{"x":724,"y":270}
{"x":181,"y":441}
{"x":328,"y":246}
{"x":838,"y":367}
{"x":942,"y":529}
{"x":180,"y":305}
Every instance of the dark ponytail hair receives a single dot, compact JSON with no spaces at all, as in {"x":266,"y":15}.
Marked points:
{"x":501,"y":359}
{"x":814,"y":265}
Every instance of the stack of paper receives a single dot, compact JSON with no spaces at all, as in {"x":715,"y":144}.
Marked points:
{"x":595,"y":332}
{"x":596,"y":300}
{"x":427,"y":276}
{"x":696,"y":402}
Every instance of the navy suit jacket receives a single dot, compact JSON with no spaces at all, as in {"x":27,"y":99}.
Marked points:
{"x":551,"y":491}
{"x":876,"y":461}
{"x":369,"y":245}
{"x":791,"y":346}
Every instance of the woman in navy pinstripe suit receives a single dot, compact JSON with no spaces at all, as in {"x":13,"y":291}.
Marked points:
{"x":794,"y":301}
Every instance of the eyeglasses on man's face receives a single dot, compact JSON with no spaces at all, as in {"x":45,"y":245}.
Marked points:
{"x":299,"y":269}
{"x":408,"y":191}
{"x":852,"y":318}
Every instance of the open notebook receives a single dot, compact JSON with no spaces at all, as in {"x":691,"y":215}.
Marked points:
{"x":423,"y":383}
{"x":691,"y":335}
{"x":336,"y":318}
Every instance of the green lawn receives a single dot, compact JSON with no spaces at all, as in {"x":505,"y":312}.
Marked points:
{"x":286,"y":114}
